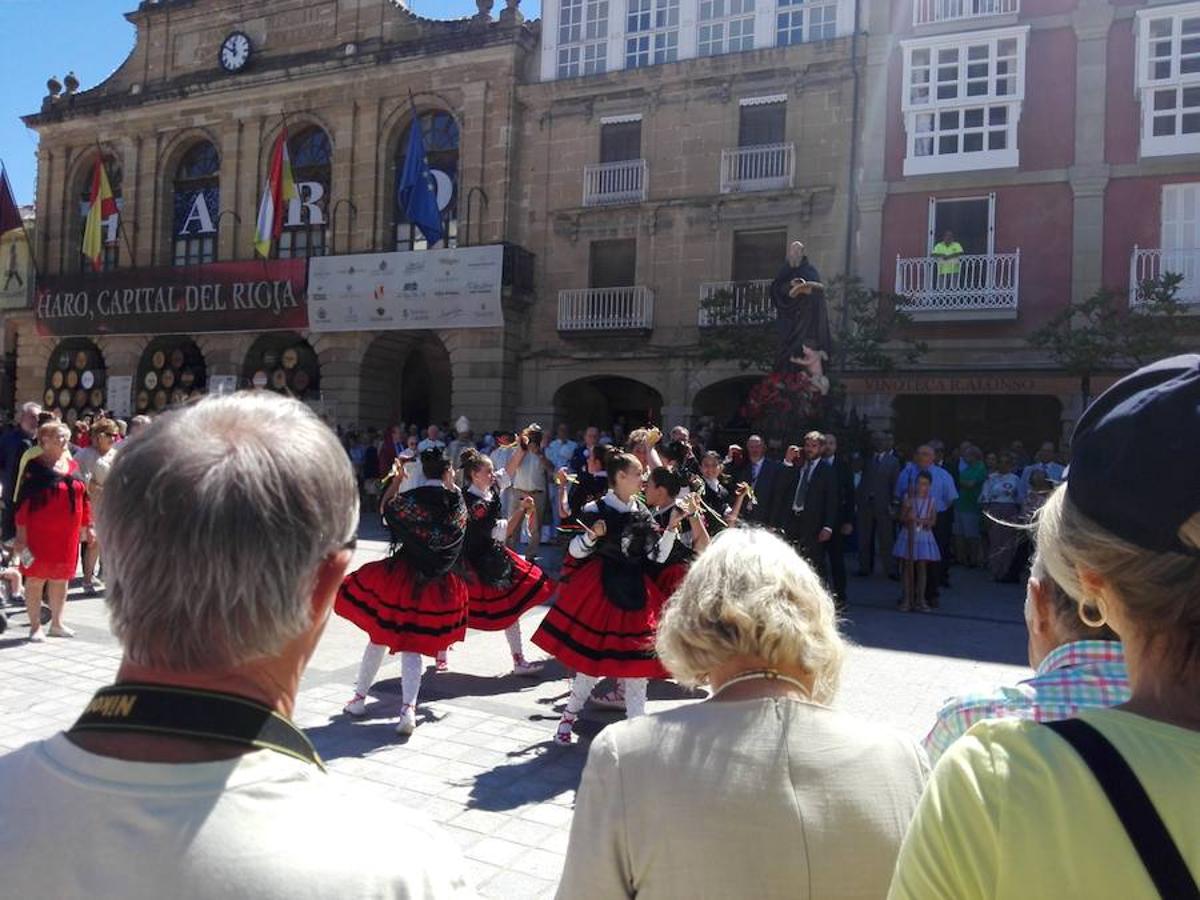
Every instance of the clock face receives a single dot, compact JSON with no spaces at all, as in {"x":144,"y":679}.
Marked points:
{"x":235,"y":52}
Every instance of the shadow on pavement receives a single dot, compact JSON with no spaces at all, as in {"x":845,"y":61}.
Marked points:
{"x":978,"y":619}
{"x":547,"y":772}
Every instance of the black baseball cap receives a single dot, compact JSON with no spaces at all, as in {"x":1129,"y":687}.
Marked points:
{"x":1133,"y":468}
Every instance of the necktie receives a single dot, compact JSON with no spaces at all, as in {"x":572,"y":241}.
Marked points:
{"x":802,"y":488}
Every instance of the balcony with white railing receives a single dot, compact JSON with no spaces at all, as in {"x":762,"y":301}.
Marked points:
{"x":982,"y":286}
{"x":610,"y":183}
{"x":1145,"y":265}
{"x":606,"y":309}
{"x":766,"y":167}
{"x":934,"y":12}
{"x":746,"y":302}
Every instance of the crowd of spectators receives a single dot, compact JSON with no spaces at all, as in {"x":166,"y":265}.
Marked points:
{"x":1081,"y":781}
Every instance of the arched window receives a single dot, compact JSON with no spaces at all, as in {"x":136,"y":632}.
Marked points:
{"x":304,"y":231}
{"x":440,"y":132}
{"x":110,"y":256}
{"x":197,"y":204}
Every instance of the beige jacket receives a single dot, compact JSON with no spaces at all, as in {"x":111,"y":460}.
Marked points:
{"x":742,"y":799}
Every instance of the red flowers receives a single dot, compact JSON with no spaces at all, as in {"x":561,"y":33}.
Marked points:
{"x":781,"y":394}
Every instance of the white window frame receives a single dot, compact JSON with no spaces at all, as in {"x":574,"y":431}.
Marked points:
{"x":1173,"y":84}
{"x":716,"y":22}
{"x":582,"y":32}
{"x":651,"y":34}
{"x":965,"y":115}
{"x":798,"y":15}
{"x":933,"y":237}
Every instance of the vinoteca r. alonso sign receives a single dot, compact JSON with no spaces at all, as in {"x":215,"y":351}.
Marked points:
{"x":224,"y":296}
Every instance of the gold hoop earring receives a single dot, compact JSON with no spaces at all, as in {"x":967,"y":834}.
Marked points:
{"x":1092,"y":623}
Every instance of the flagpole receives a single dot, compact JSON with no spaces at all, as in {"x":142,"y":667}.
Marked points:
{"x":120,"y":233}
{"x":37,"y":272}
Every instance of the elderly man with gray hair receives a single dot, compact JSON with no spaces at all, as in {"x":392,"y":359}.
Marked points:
{"x":186,"y":778}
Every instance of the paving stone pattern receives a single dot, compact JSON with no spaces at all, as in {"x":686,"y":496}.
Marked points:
{"x":481,"y":762}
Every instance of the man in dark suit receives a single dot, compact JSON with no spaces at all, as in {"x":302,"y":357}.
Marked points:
{"x":835,"y":548}
{"x":875,"y":510}
{"x":806,"y":506}
{"x":764,"y":476}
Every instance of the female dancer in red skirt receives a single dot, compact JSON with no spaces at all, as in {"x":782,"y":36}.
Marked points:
{"x":500,"y":584}
{"x":411,"y":603}
{"x":604,"y":621}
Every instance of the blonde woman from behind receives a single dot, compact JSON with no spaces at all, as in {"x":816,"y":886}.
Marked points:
{"x":762,"y":790}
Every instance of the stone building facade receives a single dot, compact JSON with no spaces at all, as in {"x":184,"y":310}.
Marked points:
{"x":645,"y":191}
{"x":347,"y":78}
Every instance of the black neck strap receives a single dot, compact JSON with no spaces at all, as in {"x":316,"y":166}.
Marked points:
{"x":197,"y":714}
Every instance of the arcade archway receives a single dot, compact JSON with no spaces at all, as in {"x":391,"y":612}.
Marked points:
{"x":606,"y":400}
{"x":406,"y":376}
{"x":719,"y":406}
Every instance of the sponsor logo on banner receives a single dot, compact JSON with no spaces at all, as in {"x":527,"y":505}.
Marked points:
{"x":459,"y":288}
{"x":265,"y":295}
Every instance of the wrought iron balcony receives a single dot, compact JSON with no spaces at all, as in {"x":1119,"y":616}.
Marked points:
{"x":735,"y":302}
{"x":1145,"y":265}
{"x":983,"y":286}
{"x":930,"y":12}
{"x":606,"y":309}
{"x":612,"y":183}
{"x":766,"y":167}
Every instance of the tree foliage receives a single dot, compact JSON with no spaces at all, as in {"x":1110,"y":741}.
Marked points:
{"x":1102,"y":332}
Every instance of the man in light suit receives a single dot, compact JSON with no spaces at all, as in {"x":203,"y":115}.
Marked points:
{"x":764,"y":476}
{"x":806,"y":506}
{"x":875,"y":510}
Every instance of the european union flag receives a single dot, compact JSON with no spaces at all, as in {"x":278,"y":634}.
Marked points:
{"x":418,"y":194}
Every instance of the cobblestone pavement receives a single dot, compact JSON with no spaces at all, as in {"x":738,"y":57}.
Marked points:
{"x":481,"y":762}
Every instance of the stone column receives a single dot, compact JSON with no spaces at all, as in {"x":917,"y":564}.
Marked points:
{"x":872,"y":174}
{"x":1089,"y":174}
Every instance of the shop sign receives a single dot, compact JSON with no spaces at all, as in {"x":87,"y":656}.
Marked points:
{"x":261,"y":295}
{"x":416,"y":289}
{"x":953,"y":384}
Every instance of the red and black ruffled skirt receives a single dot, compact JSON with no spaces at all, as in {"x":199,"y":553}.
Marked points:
{"x":588,"y":633}
{"x":669,"y":579}
{"x":396,"y":608}
{"x":494,"y":608}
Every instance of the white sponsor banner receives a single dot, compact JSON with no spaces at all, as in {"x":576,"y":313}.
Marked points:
{"x":406,"y":290}
{"x":120,"y":395}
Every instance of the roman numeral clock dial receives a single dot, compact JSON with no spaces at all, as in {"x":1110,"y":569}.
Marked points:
{"x":235,"y":52}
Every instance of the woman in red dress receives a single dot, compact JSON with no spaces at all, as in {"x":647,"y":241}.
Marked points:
{"x":53,"y":515}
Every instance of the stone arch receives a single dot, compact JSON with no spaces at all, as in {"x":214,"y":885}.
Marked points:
{"x":172,"y":370}
{"x":605,"y":399}
{"x":171,"y":157}
{"x":284,"y":362}
{"x":406,"y":376}
{"x":717,"y":406}
{"x":395,"y":128}
{"x":78,"y":183}
{"x":76,"y":379}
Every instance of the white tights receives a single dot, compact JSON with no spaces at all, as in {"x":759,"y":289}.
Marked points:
{"x":513,"y":634}
{"x":410,"y":672}
{"x":635,"y":694}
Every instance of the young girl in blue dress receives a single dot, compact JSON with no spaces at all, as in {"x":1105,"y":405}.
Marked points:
{"x":916,"y":545}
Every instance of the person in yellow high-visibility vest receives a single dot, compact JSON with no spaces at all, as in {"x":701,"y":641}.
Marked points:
{"x":947,"y":252}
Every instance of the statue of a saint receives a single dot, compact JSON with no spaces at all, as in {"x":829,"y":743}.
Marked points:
{"x":802,"y":318}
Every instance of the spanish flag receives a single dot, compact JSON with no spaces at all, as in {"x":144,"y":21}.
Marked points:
{"x":101,"y":208}
{"x":279,"y":190}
